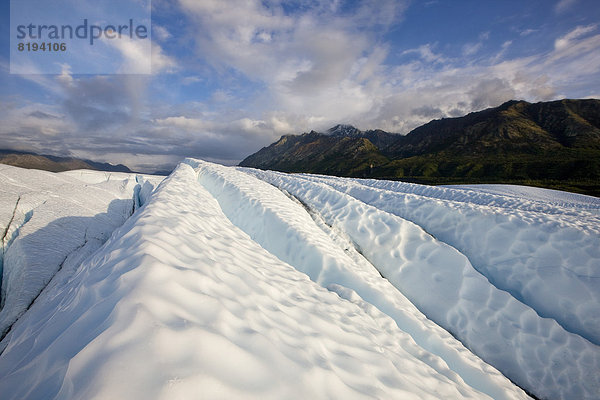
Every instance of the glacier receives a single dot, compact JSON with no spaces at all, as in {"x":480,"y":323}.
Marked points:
{"x":231,"y":282}
{"x":56,"y":220}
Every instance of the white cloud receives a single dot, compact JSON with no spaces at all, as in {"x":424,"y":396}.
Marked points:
{"x":317,"y":60}
{"x":65,"y":78}
{"x":142,"y":57}
{"x":503,"y":49}
{"x":564,"y":5}
{"x":272,"y":126}
{"x":565,"y":41}
{"x":221,"y":96}
{"x":471,"y":48}
{"x":426,"y":53}
{"x":527,"y":32}
{"x":161,"y":62}
{"x":160,"y":32}
{"x":425,"y":88}
{"x":188,"y":80}
{"x":32,"y":126}
{"x":311,"y":70}
{"x":182,"y":122}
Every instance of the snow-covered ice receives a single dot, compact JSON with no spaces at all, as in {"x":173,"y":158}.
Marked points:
{"x":443,"y":284}
{"x":239,"y":283}
{"x":51,"y":221}
{"x":284,"y":228}
{"x":533,"y":194}
{"x":180,"y":303}
{"x":546,"y":255}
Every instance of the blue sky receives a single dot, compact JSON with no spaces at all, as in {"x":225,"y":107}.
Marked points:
{"x":229,"y":77}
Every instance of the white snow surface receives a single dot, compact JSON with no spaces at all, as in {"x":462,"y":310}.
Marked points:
{"x":500,"y":278}
{"x":50,"y":221}
{"x":546,"y":255}
{"x":181,"y":303}
{"x":289,"y":232}
{"x":535,"y":194}
{"x":239,"y":283}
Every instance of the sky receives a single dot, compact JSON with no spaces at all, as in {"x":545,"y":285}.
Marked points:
{"x":229,"y":77}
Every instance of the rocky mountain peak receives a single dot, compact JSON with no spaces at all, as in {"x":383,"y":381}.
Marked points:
{"x":343,"y":130}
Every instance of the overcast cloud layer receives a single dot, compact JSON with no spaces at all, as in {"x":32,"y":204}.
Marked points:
{"x":230,"y":77}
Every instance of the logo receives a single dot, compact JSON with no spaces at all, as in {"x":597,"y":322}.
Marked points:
{"x":80,"y":36}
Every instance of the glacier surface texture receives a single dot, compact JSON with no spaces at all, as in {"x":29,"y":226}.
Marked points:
{"x":225,"y":282}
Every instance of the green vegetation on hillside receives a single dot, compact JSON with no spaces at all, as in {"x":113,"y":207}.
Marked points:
{"x":553,"y":144}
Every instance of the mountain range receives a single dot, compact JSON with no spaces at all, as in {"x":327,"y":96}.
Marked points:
{"x":553,"y":144}
{"x":54,"y":163}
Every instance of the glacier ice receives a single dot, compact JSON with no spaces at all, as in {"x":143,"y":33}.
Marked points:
{"x":233,"y":282}
{"x":442,"y":283}
{"x":57,"y":220}
{"x":181,"y":303}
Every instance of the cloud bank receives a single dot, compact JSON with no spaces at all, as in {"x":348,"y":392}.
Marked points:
{"x":231,"y":78}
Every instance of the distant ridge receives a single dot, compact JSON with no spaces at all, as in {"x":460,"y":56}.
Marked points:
{"x":53,"y":163}
{"x":551,"y":144}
